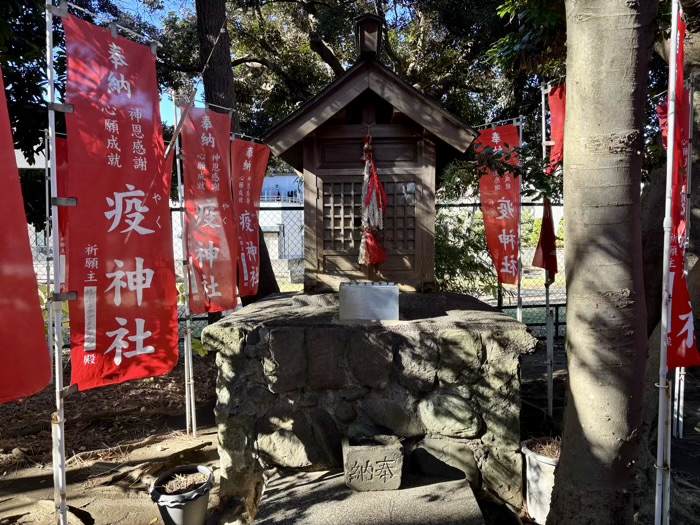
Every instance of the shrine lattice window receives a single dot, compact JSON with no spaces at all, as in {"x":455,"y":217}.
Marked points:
{"x":342,"y":212}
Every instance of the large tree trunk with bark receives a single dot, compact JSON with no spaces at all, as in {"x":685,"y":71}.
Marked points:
{"x":219,"y":89}
{"x":609,"y":46}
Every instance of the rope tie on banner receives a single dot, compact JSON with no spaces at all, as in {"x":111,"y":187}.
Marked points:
{"x":515,"y":121}
{"x":243,"y":136}
{"x":373,"y":207}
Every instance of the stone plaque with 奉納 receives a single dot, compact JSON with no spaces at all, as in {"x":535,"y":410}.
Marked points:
{"x":373,"y":464}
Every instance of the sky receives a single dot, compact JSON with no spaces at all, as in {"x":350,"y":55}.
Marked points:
{"x":137,"y":7}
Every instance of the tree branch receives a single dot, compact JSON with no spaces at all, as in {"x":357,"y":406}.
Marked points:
{"x":290,"y":82}
{"x":305,"y":4}
{"x":388,"y":48}
{"x":182,"y":68}
{"x":320,"y":48}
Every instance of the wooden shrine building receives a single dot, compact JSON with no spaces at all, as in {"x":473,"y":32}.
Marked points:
{"x":413,"y":139}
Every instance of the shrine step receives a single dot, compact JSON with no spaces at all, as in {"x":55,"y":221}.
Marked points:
{"x":322,"y":498}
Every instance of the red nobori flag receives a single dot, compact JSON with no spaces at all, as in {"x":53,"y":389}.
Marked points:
{"x":546,"y":252}
{"x":662,"y":112}
{"x":119,"y":245}
{"x":557,"y":117}
{"x":210,"y":228}
{"x":249,"y":162}
{"x":25,"y":363}
{"x":500,"y":202}
{"x":682,"y":345}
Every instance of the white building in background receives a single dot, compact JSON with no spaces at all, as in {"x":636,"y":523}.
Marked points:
{"x":282,"y":224}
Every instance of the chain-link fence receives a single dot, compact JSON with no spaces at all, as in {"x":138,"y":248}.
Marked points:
{"x":465,"y":226}
{"x":282,"y":224}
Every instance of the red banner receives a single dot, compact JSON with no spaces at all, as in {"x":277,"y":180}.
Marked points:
{"x":124,"y":323}
{"x":500,"y":203}
{"x":25,"y":362}
{"x":210,"y":228}
{"x":682,"y":345}
{"x":249,"y":161}
{"x":557,"y":119}
{"x":662,"y":112}
{"x":546,"y":252}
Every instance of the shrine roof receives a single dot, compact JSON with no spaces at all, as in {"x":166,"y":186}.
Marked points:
{"x":367,"y":75}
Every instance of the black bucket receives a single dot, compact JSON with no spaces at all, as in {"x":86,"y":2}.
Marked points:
{"x":189,"y":508}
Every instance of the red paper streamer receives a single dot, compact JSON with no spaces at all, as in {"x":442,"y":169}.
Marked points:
{"x":210,"y":227}
{"x":119,"y":242}
{"x":374,"y":252}
{"x":500,"y":203}
{"x":249,"y":164}
{"x":25,"y":363}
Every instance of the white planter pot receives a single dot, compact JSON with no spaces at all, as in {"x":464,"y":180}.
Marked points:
{"x":539,"y":481}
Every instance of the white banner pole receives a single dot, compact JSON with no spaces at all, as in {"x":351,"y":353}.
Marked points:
{"x":185,"y":267}
{"x":57,"y":418}
{"x":189,"y":375}
{"x":519,"y":311}
{"x":676,"y":401}
{"x":550,"y":350}
{"x":663,"y":463}
{"x":548,"y":328}
{"x":47,"y":232}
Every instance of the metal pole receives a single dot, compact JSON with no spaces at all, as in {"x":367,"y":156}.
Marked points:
{"x":550,"y":350}
{"x":666,"y":513}
{"x":47,"y":233}
{"x":545,"y":90}
{"x":681,"y":396}
{"x":547,"y":282}
{"x":663,"y":463}
{"x":190,"y":415}
{"x":519,"y":311}
{"x":676,"y":401}
{"x":57,"y":418}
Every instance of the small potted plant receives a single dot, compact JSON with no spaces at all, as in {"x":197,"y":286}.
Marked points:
{"x":541,"y":458}
{"x":182,"y":494}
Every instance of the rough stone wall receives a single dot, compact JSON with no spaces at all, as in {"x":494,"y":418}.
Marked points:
{"x":293,"y":381}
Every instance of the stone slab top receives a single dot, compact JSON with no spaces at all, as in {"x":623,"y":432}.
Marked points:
{"x":321,"y":498}
{"x":417,"y":311}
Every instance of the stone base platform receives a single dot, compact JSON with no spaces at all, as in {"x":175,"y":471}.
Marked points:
{"x":294,"y":382}
{"x":321,"y":498}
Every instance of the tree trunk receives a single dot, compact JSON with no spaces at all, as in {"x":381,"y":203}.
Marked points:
{"x":219,"y":89}
{"x":609,"y":46}
{"x":653,"y":199}
{"x":218,"y":76}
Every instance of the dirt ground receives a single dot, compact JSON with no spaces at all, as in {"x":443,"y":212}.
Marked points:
{"x":119,"y":438}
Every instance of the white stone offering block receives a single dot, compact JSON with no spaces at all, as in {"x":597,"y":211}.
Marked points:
{"x":369,"y":301}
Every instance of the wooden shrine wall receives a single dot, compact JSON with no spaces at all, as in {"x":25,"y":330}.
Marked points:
{"x":333,"y":172}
